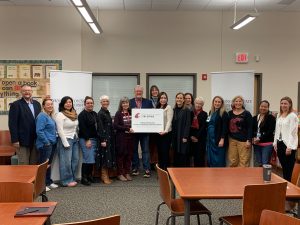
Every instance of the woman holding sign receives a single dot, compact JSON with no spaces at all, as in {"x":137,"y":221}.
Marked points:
{"x":181,"y":124}
{"x":164,"y":138}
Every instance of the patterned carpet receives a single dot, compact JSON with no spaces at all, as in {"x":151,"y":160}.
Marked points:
{"x":135,"y":201}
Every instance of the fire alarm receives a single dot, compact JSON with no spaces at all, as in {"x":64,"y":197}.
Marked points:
{"x":204,"y":76}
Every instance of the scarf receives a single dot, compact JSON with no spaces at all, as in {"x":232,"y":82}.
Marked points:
{"x":71,"y":115}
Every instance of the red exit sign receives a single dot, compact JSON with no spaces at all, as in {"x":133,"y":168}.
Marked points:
{"x":241,"y":57}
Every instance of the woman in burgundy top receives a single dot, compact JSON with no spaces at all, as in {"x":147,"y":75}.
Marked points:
{"x":198,"y":133}
{"x":124,"y":139}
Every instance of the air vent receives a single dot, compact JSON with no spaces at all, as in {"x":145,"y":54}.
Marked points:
{"x":286,"y":2}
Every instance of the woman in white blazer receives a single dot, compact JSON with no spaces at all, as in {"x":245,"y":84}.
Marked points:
{"x":286,"y":138}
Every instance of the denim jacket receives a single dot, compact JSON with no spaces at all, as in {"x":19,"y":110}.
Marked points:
{"x":45,"y":130}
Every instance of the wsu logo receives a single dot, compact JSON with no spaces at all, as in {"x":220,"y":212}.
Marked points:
{"x":137,"y":115}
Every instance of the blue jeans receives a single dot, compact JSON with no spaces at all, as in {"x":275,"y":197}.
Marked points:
{"x":88,"y":154}
{"x":262,"y":154}
{"x":47,"y":152}
{"x":143,"y":139}
{"x":68,"y":161}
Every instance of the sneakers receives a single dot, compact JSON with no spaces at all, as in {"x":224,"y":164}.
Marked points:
{"x":122,"y":178}
{"x":48,"y":189}
{"x":135,"y":172}
{"x":128,"y":177}
{"x":53,"y":186}
{"x":147,"y":174}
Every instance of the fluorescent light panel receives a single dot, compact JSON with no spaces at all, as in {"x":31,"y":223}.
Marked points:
{"x":94,"y":28}
{"x":85,"y":14}
{"x":77,"y":2}
{"x":243,"y":21}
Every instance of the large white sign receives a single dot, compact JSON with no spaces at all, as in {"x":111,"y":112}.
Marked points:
{"x":147,"y":120}
{"x":230,"y":84}
{"x":75,"y":84}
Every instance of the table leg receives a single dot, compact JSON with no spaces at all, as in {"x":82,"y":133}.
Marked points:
{"x":187,"y":212}
{"x":173,"y":195}
{"x":298,"y":210}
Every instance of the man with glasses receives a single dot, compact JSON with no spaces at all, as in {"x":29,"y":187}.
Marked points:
{"x":143,"y":138}
{"x":21,"y":122}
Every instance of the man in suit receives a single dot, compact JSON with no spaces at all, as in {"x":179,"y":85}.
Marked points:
{"x":21,"y":122}
{"x":143,"y":138}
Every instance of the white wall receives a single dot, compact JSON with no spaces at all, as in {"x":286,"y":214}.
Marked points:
{"x":158,"y":42}
{"x":40,"y":33}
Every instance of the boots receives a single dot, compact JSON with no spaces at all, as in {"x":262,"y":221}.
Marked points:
{"x":90,"y":173}
{"x":84,"y":174}
{"x":104,"y":176}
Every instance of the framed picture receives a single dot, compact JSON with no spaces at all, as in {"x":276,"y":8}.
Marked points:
{"x":12,"y":71}
{"x":37,"y":72}
{"x":48,"y":68}
{"x":24,"y":71}
{"x":2,"y":71}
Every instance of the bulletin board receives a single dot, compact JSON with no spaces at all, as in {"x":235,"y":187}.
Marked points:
{"x":15,"y":73}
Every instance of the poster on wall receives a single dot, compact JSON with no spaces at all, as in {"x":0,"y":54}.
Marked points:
{"x":230,"y":84}
{"x":15,"y":73}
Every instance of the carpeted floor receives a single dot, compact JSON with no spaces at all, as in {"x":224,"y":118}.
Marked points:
{"x":135,"y":201}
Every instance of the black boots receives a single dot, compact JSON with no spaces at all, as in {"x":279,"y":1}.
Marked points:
{"x":85,"y":174}
{"x":90,"y":173}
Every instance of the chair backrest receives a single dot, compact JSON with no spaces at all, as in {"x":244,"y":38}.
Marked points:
{"x":16,"y":192}
{"x":5,"y":138}
{"x":274,"y":218}
{"x":164,"y":185}
{"x":260,"y":197}
{"x":111,"y":220}
{"x":40,"y":179}
{"x":295,"y":175}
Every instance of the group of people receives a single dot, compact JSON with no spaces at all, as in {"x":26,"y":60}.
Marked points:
{"x":197,"y":138}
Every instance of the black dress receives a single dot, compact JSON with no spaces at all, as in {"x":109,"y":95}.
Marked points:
{"x":106,"y":156}
{"x":181,"y":124}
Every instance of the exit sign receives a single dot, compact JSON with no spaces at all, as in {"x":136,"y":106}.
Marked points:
{"x":241,"y":57}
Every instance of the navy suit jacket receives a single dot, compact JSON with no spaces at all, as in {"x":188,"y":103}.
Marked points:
{"x":146,"y":103}
{"x":22,"y":123}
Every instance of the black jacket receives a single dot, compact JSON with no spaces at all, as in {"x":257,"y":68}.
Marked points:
{"x":267,"y":128}
{"x":200,"y":133}
{"x":87,"y":125}
{"x":22,"y":123}
{"x":221,"y":127}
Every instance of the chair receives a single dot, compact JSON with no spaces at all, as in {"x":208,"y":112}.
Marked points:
{"x":39,"y":183}
{"x":274,"y":218}
{"x":257,"y":198}
{"x":176,"y":206}
{"x":111,"y":220}
{"x":295,"y":175}
{"x":16,"y":192}
{"x":6,"y":148}
{"x":296,"y":181}
{"x":5,"y":138}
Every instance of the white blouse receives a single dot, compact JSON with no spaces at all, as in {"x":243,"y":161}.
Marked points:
{"x":288,"y":127}
{"x":66,"y":128}
{"x":168,"y":116}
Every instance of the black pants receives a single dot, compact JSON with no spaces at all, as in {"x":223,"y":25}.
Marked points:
{"x":287,"y":161}
{"x":163,"y":149}
{"x":198,"y":150}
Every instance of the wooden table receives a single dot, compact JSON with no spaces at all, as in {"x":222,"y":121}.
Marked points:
{"x":18,"y":173}
{"x":8,"y":210}
{"x":220,"y":183}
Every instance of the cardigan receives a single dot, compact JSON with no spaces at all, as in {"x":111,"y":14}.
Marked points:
{"x":288,"y":127}
{"x":266,"y":128}
{"x":87,"y":125}
{"x":66,"y":128}
{"x":168,"y":117}
{"x":200,"y":133}
{"x":45,"y":130}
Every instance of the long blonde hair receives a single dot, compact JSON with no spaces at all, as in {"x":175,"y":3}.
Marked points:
{"x":222,"y":108}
